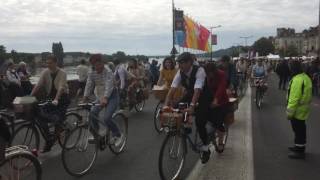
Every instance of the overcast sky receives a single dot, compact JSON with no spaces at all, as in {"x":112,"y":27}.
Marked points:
{"x":141,"y":26}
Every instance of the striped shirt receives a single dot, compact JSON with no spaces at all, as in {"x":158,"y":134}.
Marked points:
{"x":102,"y":83}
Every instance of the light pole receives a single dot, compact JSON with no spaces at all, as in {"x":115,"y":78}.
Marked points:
{"x":246,"y":39}
{"x":319,"y":33}
{"x":211,"y":29}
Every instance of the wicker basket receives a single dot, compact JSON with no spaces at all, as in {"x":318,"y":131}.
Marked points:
{"x":172,"y":120}
{"x":160,"y":92}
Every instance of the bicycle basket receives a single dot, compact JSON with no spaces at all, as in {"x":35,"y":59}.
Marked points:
{"x":160,"y":92}
{"x":170,"y":119}
{"x":24,"y":104}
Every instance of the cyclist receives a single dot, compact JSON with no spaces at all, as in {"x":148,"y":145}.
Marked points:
{"x":214,"y":100}
{"x":102,"y":81}
{"x":54,"y":81}
{"x":230,"y":71}
{"x":121,"y":78}
{"x":259,"y":70}
{"x":136,"y":76}
{"x":192,"y":78}
{"x":241,"y":66}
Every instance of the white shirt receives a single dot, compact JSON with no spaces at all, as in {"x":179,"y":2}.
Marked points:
{"x":200,"y":78}
{"x":82,"y":72}
{"x":241,"y":67}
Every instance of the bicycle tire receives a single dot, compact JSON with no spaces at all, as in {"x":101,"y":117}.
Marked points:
{"x":156,"y":119}
{"x":258,"y":98}
{"x":66,"y":152}
{"x":27,"y":132}
{"x":124,"y":131}
{"x":68,"y":126}
{"x":32,"y":160}
{"x":183,"y":147}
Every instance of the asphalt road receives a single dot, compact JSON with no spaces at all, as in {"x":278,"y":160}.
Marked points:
{"x":139,"y":161}
{"x":272,"y":135}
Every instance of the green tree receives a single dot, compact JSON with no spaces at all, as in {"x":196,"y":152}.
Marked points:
{"x":15,"y":56}
{"x":263,"y":46}
{"x":57,"y":50}
{"x":3,"y":52}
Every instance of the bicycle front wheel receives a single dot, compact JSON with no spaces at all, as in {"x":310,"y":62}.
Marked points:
{"x":156,"y":117}
{"x":71,"y":122}
{"x":172,"y":157}
{"x":122,"y":123}
{"x":22,"y":166}
{"x":79,"y":152}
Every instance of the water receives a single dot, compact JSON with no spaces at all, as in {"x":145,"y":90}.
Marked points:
{"x":70,"y":70}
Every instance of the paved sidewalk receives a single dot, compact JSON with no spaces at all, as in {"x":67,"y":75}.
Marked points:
{"x":236,"y":162}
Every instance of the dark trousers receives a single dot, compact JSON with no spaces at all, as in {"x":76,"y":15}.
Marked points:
{"x":283,"y":82}
{"x":299,"y":129}
{"x":216,"y":116}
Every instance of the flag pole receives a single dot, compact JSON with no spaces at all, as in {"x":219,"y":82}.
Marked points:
{"x":173,"y":27}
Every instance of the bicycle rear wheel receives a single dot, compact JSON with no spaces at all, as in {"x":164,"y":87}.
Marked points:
{"x":172,"y":157}
{"x":140,"y":105}
{"x":156,"y":117}
{"x":122,"y":123}
{"x":27,"y":135}
{"x":79,"y":152}
{"x":22,"y":166}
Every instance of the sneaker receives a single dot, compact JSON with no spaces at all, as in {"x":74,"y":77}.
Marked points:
{"x":118,"y":140}
{"x":205,"y":156}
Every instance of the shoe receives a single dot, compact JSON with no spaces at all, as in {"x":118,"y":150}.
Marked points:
{"x":205,"y":156}
{"x":293,"y":149}
{"x":296,"y":149}
{"x":118,"y":140}
{"x":296,"y":155}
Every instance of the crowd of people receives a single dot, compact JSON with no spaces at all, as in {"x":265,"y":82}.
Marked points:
{"x":205,"y":86}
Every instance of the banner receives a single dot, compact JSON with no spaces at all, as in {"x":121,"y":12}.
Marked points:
{"x":214,"y":39}
{"x":190,"y":34}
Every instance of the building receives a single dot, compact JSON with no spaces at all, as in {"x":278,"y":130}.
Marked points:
{"x":306,"y":42}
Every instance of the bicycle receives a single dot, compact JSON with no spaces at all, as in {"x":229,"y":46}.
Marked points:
{"x":179,"y":130}
{"x":85,"y":142}
{"x":138,"y":105}
{"x":260,"y":90}
{"x":28,"y":133}
{"x":20,"y":164}
{"x":242,"y":84}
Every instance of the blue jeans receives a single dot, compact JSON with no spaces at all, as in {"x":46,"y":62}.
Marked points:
{"x":107,"y":113}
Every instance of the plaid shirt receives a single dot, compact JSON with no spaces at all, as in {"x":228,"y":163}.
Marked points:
{"x":104,"y":79}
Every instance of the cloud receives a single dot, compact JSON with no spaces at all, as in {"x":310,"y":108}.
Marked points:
{"x":141,"y":26}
